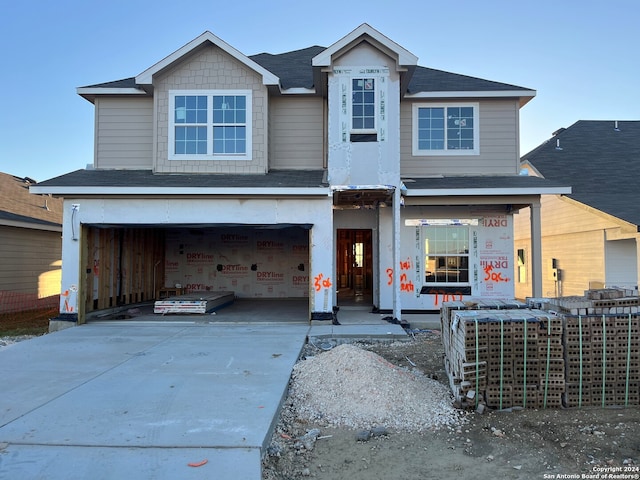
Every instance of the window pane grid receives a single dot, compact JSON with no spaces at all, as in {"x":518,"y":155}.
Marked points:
{"x":363,"y":104}
{"x":191,"y":140}
{"x":229,"y":140}
{"x":445,"y":128}
{"x":446,"y":254}
{"x":210,"y":125}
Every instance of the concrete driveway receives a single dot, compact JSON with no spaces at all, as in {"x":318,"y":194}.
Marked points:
{"x":143,"y":401}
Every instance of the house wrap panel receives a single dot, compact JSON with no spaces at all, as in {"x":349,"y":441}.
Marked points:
{"x":124,"y":133}
{"x":296,"y":133}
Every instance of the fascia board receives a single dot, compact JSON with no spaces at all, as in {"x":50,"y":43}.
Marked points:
{"x":146,"y":77}
{"x":90,"y":93}
{"x":109,"y":91}
{"x":459,"y":192}
{"x":180,"y":191}
{"x":405,"y":57}
{"x":524,"y":95}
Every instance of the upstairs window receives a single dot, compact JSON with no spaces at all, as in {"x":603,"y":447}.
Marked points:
{"x":210,"y":125}
{"x":363,"y":105}
{"x":443,"y":129}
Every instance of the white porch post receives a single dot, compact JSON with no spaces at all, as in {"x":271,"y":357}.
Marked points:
{"x":397,"y":306}
{"x":536,"y":250}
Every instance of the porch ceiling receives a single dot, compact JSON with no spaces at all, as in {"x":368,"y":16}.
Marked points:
{"x":363,"y":197}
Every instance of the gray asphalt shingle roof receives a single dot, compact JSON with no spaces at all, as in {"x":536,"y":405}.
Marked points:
{"x":482,"y":182}
{"x":147,"y":179}
{"x":600,"y":163}
{"x":295,"y":71}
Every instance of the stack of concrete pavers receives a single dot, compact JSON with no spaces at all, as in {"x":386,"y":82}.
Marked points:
{"x":505,"y":358}
{"x":602,"y":348}
{"x":567,"y":352}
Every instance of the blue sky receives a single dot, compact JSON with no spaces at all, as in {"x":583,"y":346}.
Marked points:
{"x":579,"y":55}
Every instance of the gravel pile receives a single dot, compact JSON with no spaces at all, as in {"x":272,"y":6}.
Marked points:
{"x":352,"y":387}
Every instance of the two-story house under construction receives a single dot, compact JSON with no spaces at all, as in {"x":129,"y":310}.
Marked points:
{"x":329,"y":174}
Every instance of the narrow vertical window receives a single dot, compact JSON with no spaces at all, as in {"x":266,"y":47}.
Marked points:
{"x":363,"y":105}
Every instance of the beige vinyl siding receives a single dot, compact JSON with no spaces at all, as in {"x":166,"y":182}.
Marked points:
{"x":574,"y":236}
{"x":499,"y":130}
{"x":31,"y":261}
{"x":124,"y":133}
{"x":296,"y":133}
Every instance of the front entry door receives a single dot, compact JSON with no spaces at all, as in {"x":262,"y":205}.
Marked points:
{"x":355,"y":267}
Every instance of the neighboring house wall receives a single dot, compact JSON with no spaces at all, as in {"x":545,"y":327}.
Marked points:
{"x":30,"y":261}
{"x":498,"y":125}
{"x":124,"y":133}
{"x":296,"y":133}
{"x":578,"y":238}
{"x":210,"y":68}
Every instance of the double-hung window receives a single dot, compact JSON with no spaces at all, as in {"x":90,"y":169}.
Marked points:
{"x":445,"y":129}
{"x":363,"y":105}
{"x":210,"y":125}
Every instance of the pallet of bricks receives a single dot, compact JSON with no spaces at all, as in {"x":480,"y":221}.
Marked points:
{"x":503,"y":357}
{"x":602,"y":347}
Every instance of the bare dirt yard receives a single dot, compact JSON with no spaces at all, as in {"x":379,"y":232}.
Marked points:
{"x":405,"y":433}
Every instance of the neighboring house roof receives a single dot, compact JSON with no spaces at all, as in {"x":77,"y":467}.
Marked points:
{"x":600,"y":162}
{"x":20,"y":208}
{"x":144,"y":181}
{"x":295,"y":70}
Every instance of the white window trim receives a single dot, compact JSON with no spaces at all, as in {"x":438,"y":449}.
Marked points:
{"x":210,"y":156}
{"x":433,"y":153}
{"x":376,"y":105}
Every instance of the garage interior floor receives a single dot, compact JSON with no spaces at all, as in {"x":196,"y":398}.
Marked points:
{"x":275,"y":310}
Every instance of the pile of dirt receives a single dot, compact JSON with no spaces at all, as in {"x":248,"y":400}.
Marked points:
{"x":520,"y":444}
{"x":352,"y":387}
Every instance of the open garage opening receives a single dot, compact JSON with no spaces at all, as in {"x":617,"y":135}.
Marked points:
{"x":129,"y":266}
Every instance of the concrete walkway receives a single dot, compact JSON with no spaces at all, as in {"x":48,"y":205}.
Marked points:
{"x":144,"y":400}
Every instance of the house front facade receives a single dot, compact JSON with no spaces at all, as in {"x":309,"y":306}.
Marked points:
{"x":345,"y":175}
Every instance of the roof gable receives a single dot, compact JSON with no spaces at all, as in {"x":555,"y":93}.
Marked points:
{"x":146,"y":77}
{"x":364,"y":31}
{"x":600,"y":162}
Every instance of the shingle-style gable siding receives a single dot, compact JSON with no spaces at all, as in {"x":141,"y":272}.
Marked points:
{"x":207,"y":69}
